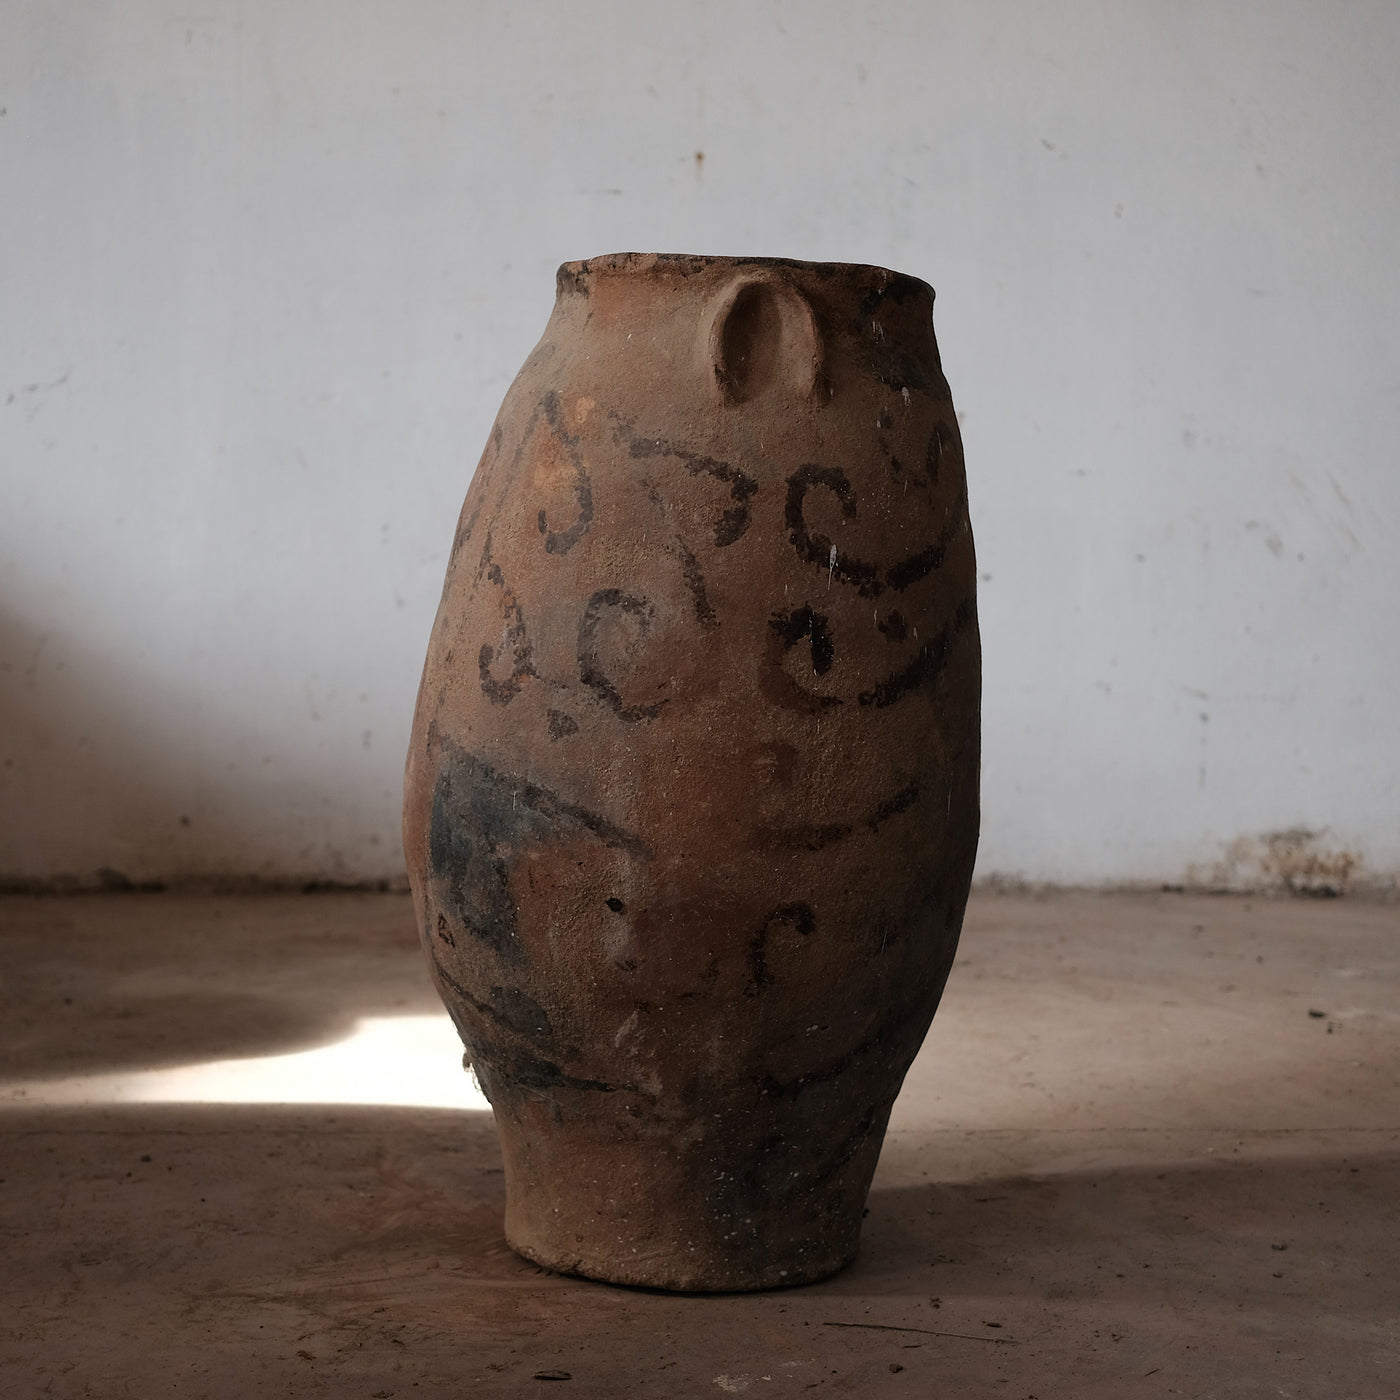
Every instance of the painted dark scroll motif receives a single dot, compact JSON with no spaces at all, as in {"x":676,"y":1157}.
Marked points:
{"x":562,"y":541}
{"x":817,"y":836}
{"x":921,"y":673}
{"x":787,"y":630}
{"x":870,"y":580}
{"x":734,"y":521}
{"x":612,"y":606}
{"x":695,"y":585}
{"x":799,"y":916}
{"x":513,"y":647}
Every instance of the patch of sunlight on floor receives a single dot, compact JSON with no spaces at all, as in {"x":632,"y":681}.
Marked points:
{"x":407,"y":1061}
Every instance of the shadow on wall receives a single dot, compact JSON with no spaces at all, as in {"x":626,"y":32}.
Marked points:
{"x":110,"y":778}
{"x":64,"y":779}
{"x":114,"y":778}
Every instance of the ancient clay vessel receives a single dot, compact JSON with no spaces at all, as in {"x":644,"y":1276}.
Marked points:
{"x":692,"y":796}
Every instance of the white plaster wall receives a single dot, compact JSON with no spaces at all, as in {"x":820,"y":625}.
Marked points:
{"x":267,"y":268}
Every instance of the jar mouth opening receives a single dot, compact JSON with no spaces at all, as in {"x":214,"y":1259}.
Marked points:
{"x":573,"y":275}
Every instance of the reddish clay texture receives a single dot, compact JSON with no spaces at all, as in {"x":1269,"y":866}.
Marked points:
{"x":692,"y":795}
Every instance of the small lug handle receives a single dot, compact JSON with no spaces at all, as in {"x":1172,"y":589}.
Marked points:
{"x":764,"y":338}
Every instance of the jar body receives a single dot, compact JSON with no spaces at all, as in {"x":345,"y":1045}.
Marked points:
{"x":692,"y":794}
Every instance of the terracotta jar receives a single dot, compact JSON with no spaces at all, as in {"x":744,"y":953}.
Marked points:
{"x":692,"y":796}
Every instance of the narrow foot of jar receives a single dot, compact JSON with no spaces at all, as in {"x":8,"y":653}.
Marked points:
{"x":685,"y":1267}
{"x":697,"y":1212}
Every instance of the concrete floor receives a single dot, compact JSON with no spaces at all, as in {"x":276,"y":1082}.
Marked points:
{"x":1151,"y":1148}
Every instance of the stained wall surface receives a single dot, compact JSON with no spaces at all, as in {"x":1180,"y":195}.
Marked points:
{"x":268,"y":270}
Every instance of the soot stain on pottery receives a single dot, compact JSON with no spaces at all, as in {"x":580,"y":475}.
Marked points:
{"x":561,"y":725}
{"x":940,"y":445}
{"x":478,"y":830}
{"x":889,"y":1044}
{"x":894,"y":366}
{"x":511,"y":1070}
{"x":482,"y":822}
{"x":764,"y":1180}
{"x":815,"y":1139}
{"x":572,"y":278}
{"x":502,"y":1068}
{"x":520,"y":1012}
{"x":898,"y":370}
{"x":559,"y":813}
{"x":896,"y":289}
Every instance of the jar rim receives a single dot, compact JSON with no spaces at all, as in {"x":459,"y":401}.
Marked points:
{"x":570,"y":274}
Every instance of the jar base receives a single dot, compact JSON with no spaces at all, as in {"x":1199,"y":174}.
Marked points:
{"x":688,"y":1275}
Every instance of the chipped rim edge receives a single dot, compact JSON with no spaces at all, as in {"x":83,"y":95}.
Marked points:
{"x":570,"y":274}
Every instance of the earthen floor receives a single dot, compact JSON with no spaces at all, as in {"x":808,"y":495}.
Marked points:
{"x":1151,"y":1148}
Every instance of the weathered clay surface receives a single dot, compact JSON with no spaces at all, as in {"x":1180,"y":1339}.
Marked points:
{"x":692,"y":795}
